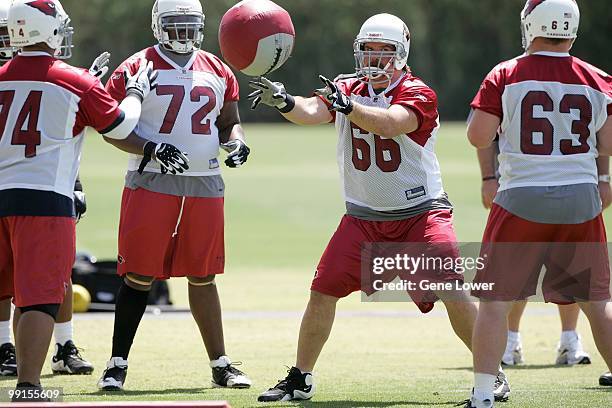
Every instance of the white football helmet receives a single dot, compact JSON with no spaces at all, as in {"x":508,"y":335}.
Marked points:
{"x":381,"y":28}
{"x":6,"y":51}
{"x":178,"y":25}
{"x":549,"y":19}
{"x":40,"y":21}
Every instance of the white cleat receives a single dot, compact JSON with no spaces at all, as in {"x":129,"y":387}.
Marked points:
{"x":513,"y":354}
{"x":113,"y":377}
{"x":474,"y":402}
{"x":572,"y":353}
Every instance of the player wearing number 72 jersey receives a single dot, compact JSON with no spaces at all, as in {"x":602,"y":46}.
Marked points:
{"x":172,"y":225}
{"x":552,"y":112}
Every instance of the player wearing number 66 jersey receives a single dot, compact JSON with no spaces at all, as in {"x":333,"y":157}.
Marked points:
{"x":387,"y":121}
{"x":172,"y":225}
{"x":552,"y":113}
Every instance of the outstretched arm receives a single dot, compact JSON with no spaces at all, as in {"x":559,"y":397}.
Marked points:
{"x":296,"y":109}
{"x":385,"y":122}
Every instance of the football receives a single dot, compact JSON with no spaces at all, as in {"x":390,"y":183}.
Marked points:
{"x":81,"y":299}
{"x":256,"y":37}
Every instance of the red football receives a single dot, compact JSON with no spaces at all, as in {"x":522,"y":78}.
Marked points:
{"x":256,"y":36}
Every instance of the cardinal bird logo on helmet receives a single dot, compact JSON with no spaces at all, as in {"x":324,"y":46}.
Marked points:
{"x":45,"y":6}
{"x":531,"y":4}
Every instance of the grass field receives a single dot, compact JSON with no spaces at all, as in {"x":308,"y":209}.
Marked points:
{"x":281,"y":209}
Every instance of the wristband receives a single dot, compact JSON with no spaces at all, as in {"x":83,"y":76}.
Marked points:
{"x":289,"y":104}
{"x":489,"y":178}
{"x":135,"y":92}
{"x":604,"y":178}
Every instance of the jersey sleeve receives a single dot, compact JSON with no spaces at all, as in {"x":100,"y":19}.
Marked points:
{"x":232,"y":90}
{"x":97,"y":109}
{"x":115,"y":85}
{"x":423,"y":101}
{"x":489,"y":96}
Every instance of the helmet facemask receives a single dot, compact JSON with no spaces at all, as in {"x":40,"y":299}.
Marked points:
{"x":6,"y":51}
{"x":369,"y":63}
{"x":181,"y":33}
{"x":65,"y":31}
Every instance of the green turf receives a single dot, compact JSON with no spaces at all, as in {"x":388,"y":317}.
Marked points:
{"x":281,"y":209}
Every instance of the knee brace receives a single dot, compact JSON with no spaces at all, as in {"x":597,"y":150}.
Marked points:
{"x":194,"y":281}
{"x":144,"y":282}
{"x":50,"y":309}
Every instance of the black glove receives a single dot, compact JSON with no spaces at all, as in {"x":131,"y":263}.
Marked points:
{"x":338,"y":100}
{"x":80,"y":204}
{"x":142,"y":82}
{"x":238,"y":152}
{"x":170,"y":158}
{"x":271,"y":94}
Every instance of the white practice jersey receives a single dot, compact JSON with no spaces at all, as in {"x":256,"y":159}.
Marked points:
{"x":551,"y":106}
{"x":390,"y":174}
{"x":184,"y":107}
{"x":45,"y":106}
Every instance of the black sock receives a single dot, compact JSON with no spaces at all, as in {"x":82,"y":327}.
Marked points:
{"x":129,"y":308}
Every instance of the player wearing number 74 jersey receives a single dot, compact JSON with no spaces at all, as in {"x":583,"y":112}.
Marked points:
{"x":45,"y":107}
{"x":552,"y":112}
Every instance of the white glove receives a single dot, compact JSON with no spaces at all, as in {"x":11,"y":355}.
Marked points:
{"x":271,"y":94}
{"x":142,"y":82}
{"x":99,"y":68}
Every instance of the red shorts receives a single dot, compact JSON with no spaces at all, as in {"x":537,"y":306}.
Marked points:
{"x":162,"y":235}
{"x":340,"y":269}
{"x":36,"y":258}
{"x":575,"y":257}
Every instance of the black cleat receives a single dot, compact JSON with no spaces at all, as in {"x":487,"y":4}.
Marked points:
{"x":67,"y":360}
{"x":606,"y":379}
{"x":229,"y":376}
{"x":113,"y":377}
{"x":501,"y":389}
{"x":296,"y":386}
{"x":8,"y":362}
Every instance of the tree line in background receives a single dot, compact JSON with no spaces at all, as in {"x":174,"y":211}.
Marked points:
{"x":454,"y":42}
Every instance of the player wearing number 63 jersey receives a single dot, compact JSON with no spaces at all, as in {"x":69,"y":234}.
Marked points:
{"x":552,"y":113}
{"x":387,"y":121}
{"x":172,"y":225}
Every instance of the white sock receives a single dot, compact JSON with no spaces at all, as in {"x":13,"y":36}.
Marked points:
{"x":483,"y":386}
{"x":222,"y":361}
{"x":514,"y":337}
{"x":569,"y":336}
{"x":5,"y":331}
{"x":63,"y":332}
